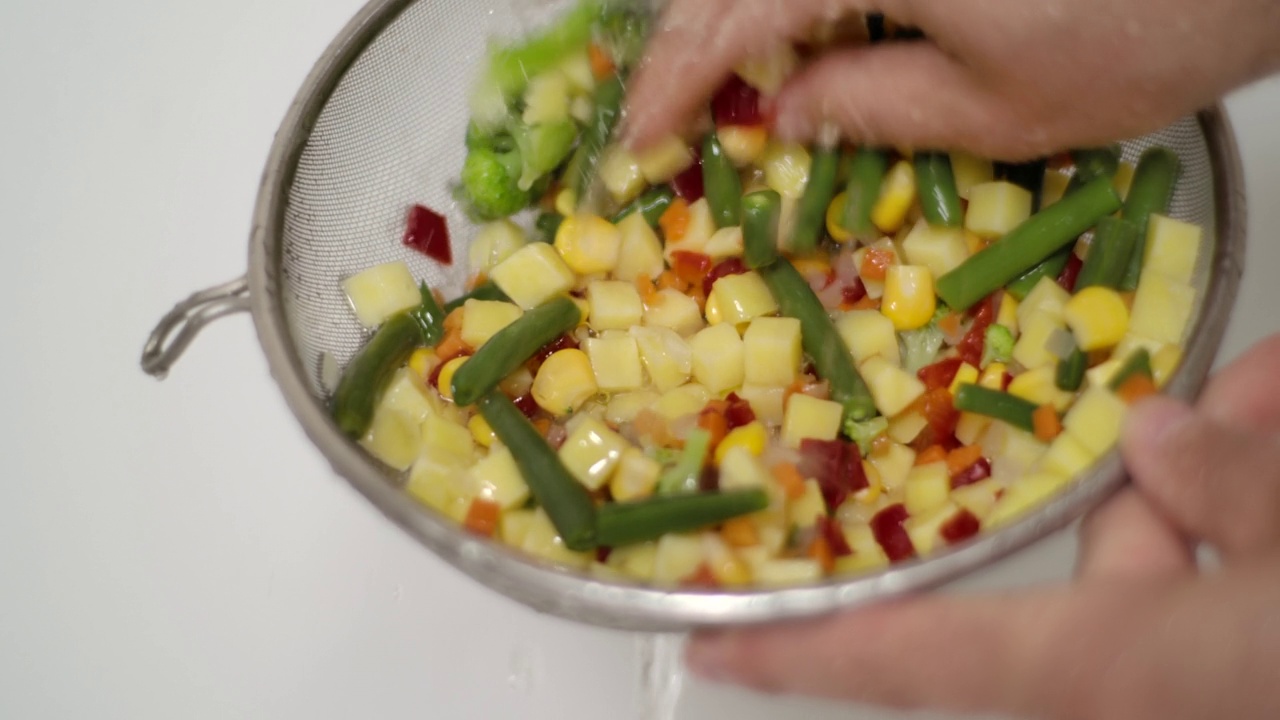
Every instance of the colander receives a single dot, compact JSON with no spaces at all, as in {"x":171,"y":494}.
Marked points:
{"x":379,"y":125}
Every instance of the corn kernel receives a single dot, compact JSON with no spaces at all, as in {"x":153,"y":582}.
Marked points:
{"x":992,"y":376}
{"x":966,"y":375}
{"x":589,"y":244}
{"x":909,"y":300}
{"x":620,"y":173}
{"x":615,"y":360}
{"x":1098,"y":316}
{"x":564,"y":382}
{"x":423,"y":361}
{"x":773,"y":351}
{"x":1164,"y":363}
{"x":1008,"y":315}
{"x":444,"y":381}
{"x":533,"y":275}
{"x":810,"y":418}
{"x":667,"y":158}
{"x":743,"y":145}
{"x":591,"y":452}
{"x":897,"y":195}
{"x":786,"y":168}
{"x":751,"y":437}
{"x":482,"y":319}
{"x":480,"y":430}
{"x":835,"y":219}
{"x":381,"y":291}
{"x":718,"y":358}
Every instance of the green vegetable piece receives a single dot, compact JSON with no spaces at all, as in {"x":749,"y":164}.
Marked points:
{"x":512,"y":347}
{"x":491,"y":184}
{"x":1052,"y":267}
{"x":1071,"y":371}
{"x":684,"y":476}
{"x":720,"y":182}
{"x":995,"y":404}
{"x":1138,"y":363}
{"x":564,"y":499}
{"x":624,"y":28}
{"x":1114,"y":242}
{"x":629,"y":523}
{"x":486,"y":291}
{"x":581,"y":175}
{"x":761,"y":212}
{"x":1151,"y":193}
{"x":430,"y":317}
{"x":920,"y":348}
{"x":811,"y":213}
{"x":998,"y":346}
{"x":368,"y":373}
{"x":821,"y":341}
{"x":866,"y":431}
{"x":511,"y":67}
{"x":866,"y":175}
{"x":651,"y":205}
{"x":939,"y":198}
{"x":1027,"y":245}
{"x":542,"y":148}
{"x":1093,"y":163}
{"x":548,"y":224}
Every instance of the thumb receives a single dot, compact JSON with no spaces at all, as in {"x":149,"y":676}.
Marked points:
{"x":901,"y":95}
{"x":1220,"y":483}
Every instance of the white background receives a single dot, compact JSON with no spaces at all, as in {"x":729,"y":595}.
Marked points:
{"x":179,"y":550}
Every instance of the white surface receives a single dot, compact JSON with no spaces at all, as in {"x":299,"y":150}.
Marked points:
{"x":179,"y":549}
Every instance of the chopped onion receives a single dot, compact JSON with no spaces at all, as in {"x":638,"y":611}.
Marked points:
{"x":1061,"y":343}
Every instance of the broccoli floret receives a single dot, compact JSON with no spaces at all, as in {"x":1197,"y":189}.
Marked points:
{"x":490,"y":184}
{"x":920,"y":347}
{"x":998,"y":345}
{"x":866,"y":431}
{"x":686,"y":473}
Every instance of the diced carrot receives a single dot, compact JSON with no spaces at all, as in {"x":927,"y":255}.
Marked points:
{"x":962,"y":458}
{"x":482,"y":517}
{"x":669,"y":279}
{"x":602,"y":65}
{"x":875,"y":264}
{"x":675,"y":220}
{"x":452,"y":346}
{"x":934,"y":453}
{"x":703,"y":577}
{"x":881,"y":445}
{"x":740,"y":532}
{"x":950,"y":324}
{"x":789,"y":477}
{"x":543,"y":426}
{"x":692,"y":267}
{"x":813,"y":266}
{"x":820,"y":550}
{"x":475,"y":281}
{"x":646,"y":288}
{"x":1046,"y":423}
{"x":453,"y":321}
{"x":714,"y":422}
{"x":1135,"y":388}
{"x":795,"y":387}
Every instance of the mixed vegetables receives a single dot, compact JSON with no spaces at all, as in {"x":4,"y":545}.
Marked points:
{"x":734,"y":361}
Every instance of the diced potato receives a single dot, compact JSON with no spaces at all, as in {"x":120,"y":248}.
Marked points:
{"x":925,"y":530}
{"x":1055,"y":186}
{"x":1132,"y":343}
{"x":666,"y":356}
{"x":1024,"y":495}
{"x":1046,"y":298}
{"x":698,"y":233}
{"x":1164,"y":363}
{"x":407,"y":394}
{"x":517,"y":383}
{"x":1032,"y":348}
{"x":615,"y":360}
{"x":541,"y":541}
{"x":615,"y":305}
{"x":970,"y":427}
{"x":620,"y":173}
{"x":577,"y":69}
{"x":564,"y":382}
{"x":666,"y":159}
{"x":768,"y":71}
{"x":1066,"y":456}
{"x":897,"y":196}
{"x":1100,"y":375}
{"x":892,"y":388}
{"x":742,"y":469}
{"x":810,"y":418}
{"x":677,"y":557}
{"x":1123,"y":179}
{"x":546,"y":99}
{"x":894,"y":465}
{"x":640,"y":254}
{"x":804,"y":511}
{"x":1161,"y":308}
{"x":741,"y":298}
{"x":636,"y":476}
{"x":868,"y":333}
{"x":1019,"y":451}
{"x":1098,"y":317}
{"x":718,"y":358}
{"x":1095,"y":420}
{"x":589,"y":244}
{"x":909,"y":299}
{"x":743,"y":145}
{"x":592,"y":451}
{"x":635,"y":561}
{"x":1040,"y":386}
{"x":482,"y":319}
{"x":684,"y":400}
{"x":786,"y":168}
{"x":765,"y":401}
{"x":970,"y":171}
{"x":927,"y":488}
{"x":773,"y":351}
{"x":787,"y":573}
{"x":907,"y":426}
{"x":496,"y":478}
{"x":380,"y":292}
{"x":670,"y":308}
{"x":725,"y":565}
{"x":1173,"y":246}
{"x":978,"y":498}
{"x":513,"y":525}
{"x":533,"y":275}
{"x":724,"y":243}
{"x":447,"y":443}
{"x":495,"y":242}
{"x":393,"y":438}
{"x":937,"y":248}
{"x":996,"y":208}
{"x":992,"y":376}
{"x":624,"y":407}
{"x":867,"y":553}
{"x":437,"y":486}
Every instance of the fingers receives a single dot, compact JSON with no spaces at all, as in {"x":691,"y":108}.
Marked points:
{"x":1218,"y":482}
{"x":1128,"y":538}
{"x":1245,"y":394}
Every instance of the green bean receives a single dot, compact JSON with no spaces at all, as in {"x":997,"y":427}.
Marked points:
{"x":995,"y":404}
{"x":548,"y":224}
{"x":651,"y":205}
{"x":811,"y":212}
{"x":1150,"y":193}
{"x":822,"y":342}
{"x":564,"y":499}
{"x":1138,"y":363}
{"x":720,"y":182}
{"x":1052,"y":267}
{"x":621,"y":524}
{"x":485,"y":291}
{"x":685,"y":474}
{"x":368,"y":373}
{"x":1071,"y":371}
{"x":512,"y":347}
{"x":937,"y":186}
{"x":430,"y":317}
{"x":1114,"y":242}
{"x":761,"y":211}
{"x":583,"y":167}
{"x":1027,"y":245}
{"x":866,"y":175}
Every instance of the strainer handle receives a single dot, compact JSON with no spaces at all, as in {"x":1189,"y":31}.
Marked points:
{"x":176,"y":330}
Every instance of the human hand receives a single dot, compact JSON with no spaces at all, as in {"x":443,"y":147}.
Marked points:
{"x":1006,"y":79}
{"x":1142,"y":633}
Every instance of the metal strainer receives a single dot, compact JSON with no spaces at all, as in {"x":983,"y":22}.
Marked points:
{"x":379,"y":125}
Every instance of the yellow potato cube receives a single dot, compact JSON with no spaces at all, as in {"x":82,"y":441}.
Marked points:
{"x":740,"y":468}
{"x":970,"y":171}
{"x":810,"y":418}
{"x":1024,"y":495}
{"x":636,"y":477}
{"x":677,"y":557}
{"x":541,"y":541}
{"x":620,"y":173}
{"x":867,"y":553}
{"x":970,"y":427}
{"x":894,"y":465}
{"x":718,"y":358}
{"x":867,"y":334}
{"x":482,"y":319}
{"x":533,"y":275}
{"x":495,"y":242}
{"x":897,"y":196}
{"x":670,"y":308}
{"x":992,"y":376}
{"x":786,"y":168}
{"x":513,"y":525}
{"x":1098,"y":317}
{"x":564,"y":382}
{"x":393,"y":439}
{"x":1055,"y":187}
{"x":640,"y":254}
{"x":743,"y":145}
{"x":1032,"y":348}
{"x":447,"y":443}
{"x":907,"y":426}
{"x":925,"y":530}
{"x":1132,"y":343}
{"x":635,"y":561}
{"x":546,"y":99}
{"x":773,"y":352}
{"x":1046,"y":298}
{"x":1173,"y":246}
{"x":698,"y":233}
{"x":765,"y":401}
{"x":1095,"y":419}
{"x":589,"y":244}
{"x":577,"y":69}
{"x":666,"y":159}
{"x":937,"y":248}
{"x":909,"y":299}
{"x":1164,"y":363}
{"x":724,"y":243}
{"x":684,"y":400}
{"x":996,"y":208}
{"x":1066,"y":456}
{"x":1100,"y":375}
{"x":439,"y":487}
{"x":407,"y":395}
{"x":927,"y":488}
{"x":1161,"y":308}
{"x":742,"y":298}
{"x":978,"y":498}
{"x":804,"y":511}
{"x":592,"y":451}
{"x":1123,"y":179}
{"x":496,"y":478}
{"x":381,"y":291}
{"x":615,"y":360}
{"x":1040,"y":386}
{"x":624,"y":407}
{"x":666,"y":356}
{"x":615,"y":305}
{"x":787,"y":573}
{"x":892,"y":388}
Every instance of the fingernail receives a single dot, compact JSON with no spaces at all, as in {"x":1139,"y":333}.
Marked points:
{"x":706,"y":657}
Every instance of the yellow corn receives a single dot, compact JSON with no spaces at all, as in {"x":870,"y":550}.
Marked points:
{"x":1008,"y":315}
{"x":423,"y":361}
{"x":751,"y":436}
{"x":743,"y":145}
{"x":966,"y":375}
{"x":564,"y":382}
{"x":589,"y":244}
{"x":835,"y":216}
{"x":444,"y":382}
{"x":1098,"y":316}
{"x":875,"y":486}
{"x":993,"y":376}
{"x":480,"y":430}
{"x":566,"y":202}
{"x":1165,"y":362}
{"x":897,"y":195}
{"x":909,"y":300}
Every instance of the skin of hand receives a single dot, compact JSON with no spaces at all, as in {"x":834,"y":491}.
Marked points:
{"x":1006,"y":79}
{"x":1142,"y":633}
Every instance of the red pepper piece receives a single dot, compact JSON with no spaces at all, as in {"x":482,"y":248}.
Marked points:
{"x":891,"y":535}
{"x":428,"y":232}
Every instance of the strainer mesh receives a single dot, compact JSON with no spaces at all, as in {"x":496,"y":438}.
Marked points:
{"x":391,"y":135}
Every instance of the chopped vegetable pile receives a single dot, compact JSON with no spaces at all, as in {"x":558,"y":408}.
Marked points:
{"x":732,"y":361}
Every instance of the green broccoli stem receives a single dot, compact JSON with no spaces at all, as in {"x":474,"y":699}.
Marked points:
{"x":582,"y":172}
{"x":511,"y":67}
{"x":684,"y":476}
